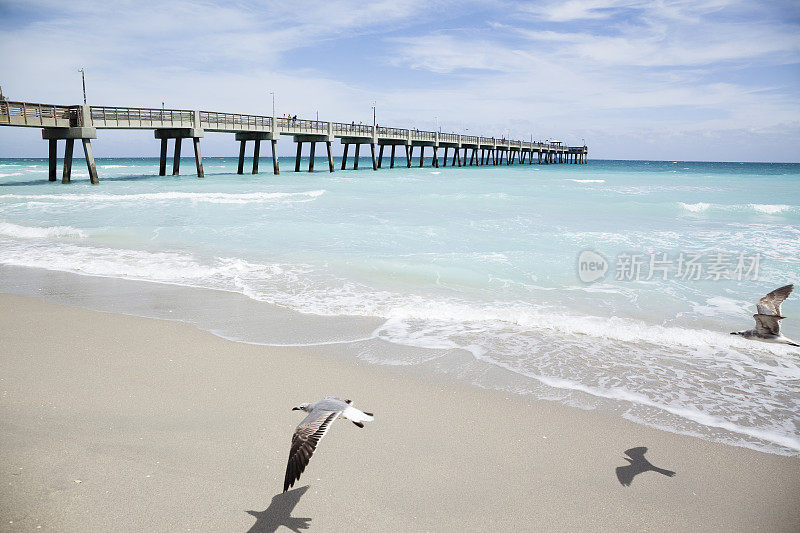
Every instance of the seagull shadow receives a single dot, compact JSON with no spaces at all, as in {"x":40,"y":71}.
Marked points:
{"x":638,"y":464}
{"x":279,"y":513}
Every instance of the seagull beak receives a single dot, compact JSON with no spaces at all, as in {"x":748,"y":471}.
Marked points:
{"x":295,"y":408}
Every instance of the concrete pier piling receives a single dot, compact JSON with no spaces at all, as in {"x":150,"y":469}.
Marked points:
{"x":330,"y":156}
{"x":176,"y":158}
{"x":87,"y":152}
{"x":162,"y":161}
{"x":198,"y":157}
{"x":52,"y":159}
{"x":69,"y":134}
{"x":275,"y":167}
{"x":256,"y":155}
{"x":69,"y":148}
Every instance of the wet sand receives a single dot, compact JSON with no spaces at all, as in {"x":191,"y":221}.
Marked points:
{"x":118,"y":423}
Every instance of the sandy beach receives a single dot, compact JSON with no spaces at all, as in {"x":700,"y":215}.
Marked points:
{"x":119,"y":423}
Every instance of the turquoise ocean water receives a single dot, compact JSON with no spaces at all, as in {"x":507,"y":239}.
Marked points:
{"x":472,"y":272}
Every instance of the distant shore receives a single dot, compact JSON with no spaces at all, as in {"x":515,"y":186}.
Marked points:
{"x":112,"y":422}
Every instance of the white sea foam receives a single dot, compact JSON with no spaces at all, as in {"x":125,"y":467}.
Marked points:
{"x":770,"y":209}
{"x":28,"y":232}
{"x":767,"y":209}
{"x":695,"y":208}
{"x":688,"y":413}
{"x":210,"y":197}
{"x":586,"y":181}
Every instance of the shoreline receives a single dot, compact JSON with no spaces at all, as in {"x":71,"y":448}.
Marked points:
{"x":235,"y":317}
{"x":168,"y":427}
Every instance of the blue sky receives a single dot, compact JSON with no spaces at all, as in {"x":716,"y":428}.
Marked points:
{"x":693,"y":80}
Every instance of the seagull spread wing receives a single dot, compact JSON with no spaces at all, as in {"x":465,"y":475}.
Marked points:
{"x":771,"y":303}
{"x":768,"y":324}
{"x":304,"y":441}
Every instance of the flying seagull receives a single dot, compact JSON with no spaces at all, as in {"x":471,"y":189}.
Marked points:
{"x":768,"y":325}
{"x":307,"y":435}
{"x":638,"y":464}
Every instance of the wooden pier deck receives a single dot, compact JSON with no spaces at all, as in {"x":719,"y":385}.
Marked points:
{"x":69,"y":123}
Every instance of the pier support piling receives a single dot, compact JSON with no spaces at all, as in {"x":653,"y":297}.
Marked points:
{"x":380,"y":156}
{"x":374,"y":161}
{"x":330,"y":156}
{"x":52,"y":159}
{"x":421,"y":155}
{"x":275,"y":169}
{"x":176,"y":157}
{"x":297,"y":157}
{"x":444,"y":161}
{"x":408,"y":156}
{"x":162,"y":162}
{"x":198,"y":157}
{"x":240,"y":169}
{"x":391,"y":160}
{"x":68,"y":149}
{"x":355,"y":161}
{"x":344,"y":156}
{"x":435,"y":158}
{"x":256,"y":155}
{"x":87,"y":152}
{"x":311,"y":156}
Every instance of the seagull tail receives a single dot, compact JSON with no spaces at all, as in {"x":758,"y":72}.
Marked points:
{"x":356,"y":416}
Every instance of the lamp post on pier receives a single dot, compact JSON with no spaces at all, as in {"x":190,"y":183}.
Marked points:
{"x":83,"y":81}
{"x":373,"y":114}
{"x":273,"y":102}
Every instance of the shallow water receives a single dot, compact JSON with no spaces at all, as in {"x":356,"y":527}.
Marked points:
{"x":469,"y":271}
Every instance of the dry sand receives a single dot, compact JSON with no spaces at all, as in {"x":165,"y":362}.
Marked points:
{"x":118,"y":423}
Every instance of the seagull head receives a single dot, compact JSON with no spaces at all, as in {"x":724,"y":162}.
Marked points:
{"x":301,"y":407}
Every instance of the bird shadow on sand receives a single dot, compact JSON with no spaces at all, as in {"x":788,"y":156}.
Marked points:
{"x":638,"y":465}
{"x":279,"y":513}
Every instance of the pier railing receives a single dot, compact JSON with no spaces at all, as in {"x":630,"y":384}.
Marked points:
{"x":301,"y":125}
{"x":32,"y":114}
{"x":423,"y":135}
{"x":400,"y":133}
{"x":360,"y":130}
{"x":213,"y":120}
{"x":140,"y":117}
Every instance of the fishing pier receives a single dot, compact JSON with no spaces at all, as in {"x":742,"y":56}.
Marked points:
{"x":81,"y":122}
